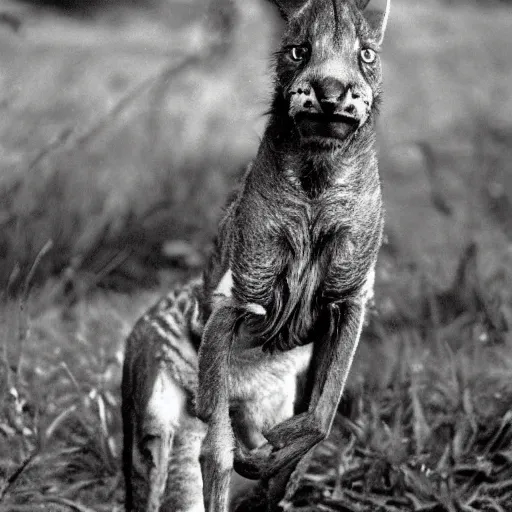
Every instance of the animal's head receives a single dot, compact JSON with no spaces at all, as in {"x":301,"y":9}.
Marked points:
{"x":328,"y":68}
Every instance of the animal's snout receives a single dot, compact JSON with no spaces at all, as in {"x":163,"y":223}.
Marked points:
{"x":329,"y":89}
{"x":328,"y":106}
{"x":335,"y":97}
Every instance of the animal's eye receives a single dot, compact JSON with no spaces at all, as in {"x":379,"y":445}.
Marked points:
{"x":368,"y":55}
{"x":299,"y":53}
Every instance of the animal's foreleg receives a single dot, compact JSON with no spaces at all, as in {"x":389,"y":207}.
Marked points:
{"x":212,"y":406}
{"x":333,"y":357}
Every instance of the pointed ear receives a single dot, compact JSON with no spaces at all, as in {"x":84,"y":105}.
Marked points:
{"x":288,"y":7}
{"x":376,"y":15}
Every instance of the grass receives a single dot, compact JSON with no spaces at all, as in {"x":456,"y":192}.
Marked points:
{"x":62,"y":407}
{"x":430,"y":427}
{"x":108,"y":169}
{"x":426,"y":425}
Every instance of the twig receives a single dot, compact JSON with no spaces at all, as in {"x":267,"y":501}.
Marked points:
{"x":162,"y":77}
{"x":11,"y":480}
{"x":23,"y":317}
{"x":13,"y":276}
{"x":30,"y":276}
{"x":69,"y":373}
{"x":58,"y":142}
{"x":125,"y":101}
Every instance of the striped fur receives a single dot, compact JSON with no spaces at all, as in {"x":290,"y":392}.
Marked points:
{"x":162,"y":436}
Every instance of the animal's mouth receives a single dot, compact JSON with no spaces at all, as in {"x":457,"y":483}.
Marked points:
{"x":327,"y":118}
{"x":332,"y":126}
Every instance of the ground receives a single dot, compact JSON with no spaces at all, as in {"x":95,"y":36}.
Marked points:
{"x":123,"y":126}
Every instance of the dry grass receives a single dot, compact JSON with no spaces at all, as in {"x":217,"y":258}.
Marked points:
{"x":108,"y":168}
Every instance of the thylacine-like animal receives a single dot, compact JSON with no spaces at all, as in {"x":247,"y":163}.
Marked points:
{"x":278,"y":314}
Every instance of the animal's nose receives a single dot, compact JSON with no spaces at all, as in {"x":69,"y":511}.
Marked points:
{"x":335,"y":96}
{"x":328,"y":89}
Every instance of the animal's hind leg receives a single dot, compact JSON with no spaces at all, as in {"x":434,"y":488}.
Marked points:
{"x":159,"y":376}
{"x":152,"y":454}
{"x":157,"y":450}
{"x":185,"y":481}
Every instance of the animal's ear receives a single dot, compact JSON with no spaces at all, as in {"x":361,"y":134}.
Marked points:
{"x":288,"y":7}
{"x":377,"y":15}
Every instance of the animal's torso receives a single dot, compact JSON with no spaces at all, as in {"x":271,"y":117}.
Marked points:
{"x":293,"y":253}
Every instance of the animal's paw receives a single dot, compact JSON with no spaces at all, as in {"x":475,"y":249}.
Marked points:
{"x":290,"y":430}
{"x":252,"y":464}
{"x":265,"y":462}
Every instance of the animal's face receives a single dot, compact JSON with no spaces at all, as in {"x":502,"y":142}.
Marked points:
{"x":328,"y":68}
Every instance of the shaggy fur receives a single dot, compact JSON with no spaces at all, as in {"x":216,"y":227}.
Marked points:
{"x":300,"y":238}
{"x":285,"y":290}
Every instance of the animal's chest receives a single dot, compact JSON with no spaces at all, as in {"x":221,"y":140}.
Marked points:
{"x":296,"y":257}
{"x":315,"y":244}
{"x":315,"y":266}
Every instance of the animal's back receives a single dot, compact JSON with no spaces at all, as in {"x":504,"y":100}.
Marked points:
{"x":162,"y":437}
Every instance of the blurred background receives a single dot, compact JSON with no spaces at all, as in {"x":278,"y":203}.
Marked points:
{"x":123,"y":126}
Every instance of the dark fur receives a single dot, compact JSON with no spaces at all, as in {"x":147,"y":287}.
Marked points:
{"x":300,"y":237}
{"x":296,"y":249}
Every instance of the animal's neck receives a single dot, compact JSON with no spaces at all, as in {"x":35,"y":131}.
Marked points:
{"x":313,"y":167}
